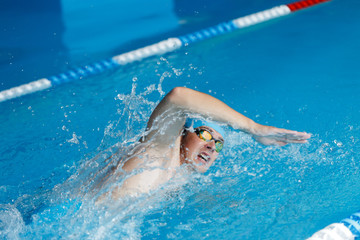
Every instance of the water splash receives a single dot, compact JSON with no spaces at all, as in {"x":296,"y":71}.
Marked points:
{"x":249,"y":184}
{"x":11,"y":222}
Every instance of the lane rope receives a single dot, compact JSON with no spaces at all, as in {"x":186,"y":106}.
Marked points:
{"x":346,"y":229}
{"x":160,"y":48}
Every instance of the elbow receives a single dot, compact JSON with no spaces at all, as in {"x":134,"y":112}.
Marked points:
{"x":177,"y":94}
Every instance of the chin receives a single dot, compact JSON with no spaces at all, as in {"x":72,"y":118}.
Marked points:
{"x":200,"y":168}
{"x":197,"y":165}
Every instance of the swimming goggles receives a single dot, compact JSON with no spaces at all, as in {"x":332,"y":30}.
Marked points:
{"x":206,"y":136}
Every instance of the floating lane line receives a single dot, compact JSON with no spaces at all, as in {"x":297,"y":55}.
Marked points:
{"x":347,"y":229}
{"x":160,"y":48}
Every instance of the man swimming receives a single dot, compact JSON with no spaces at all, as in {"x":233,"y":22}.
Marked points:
{"x":176,"y":135}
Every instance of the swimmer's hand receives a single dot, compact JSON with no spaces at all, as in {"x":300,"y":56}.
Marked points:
{"x":268,"y":135}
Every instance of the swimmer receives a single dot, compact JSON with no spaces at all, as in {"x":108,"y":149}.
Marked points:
{"x":173,"y":139}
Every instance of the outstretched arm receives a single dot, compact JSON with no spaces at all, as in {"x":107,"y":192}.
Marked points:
{"x":187,"y":100}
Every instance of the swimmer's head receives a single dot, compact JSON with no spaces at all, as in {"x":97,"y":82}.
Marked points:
{"x":201,"y":143}
{"x":195,"y":123}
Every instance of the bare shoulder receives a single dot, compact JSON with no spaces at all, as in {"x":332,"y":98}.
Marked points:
{"x":149,"y":169}
{"x":155,"y":155}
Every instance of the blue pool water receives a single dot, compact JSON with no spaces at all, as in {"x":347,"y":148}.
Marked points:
{"x":298,"y":72}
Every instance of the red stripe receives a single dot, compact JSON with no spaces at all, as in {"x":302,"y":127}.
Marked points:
{"x":304,"y":4}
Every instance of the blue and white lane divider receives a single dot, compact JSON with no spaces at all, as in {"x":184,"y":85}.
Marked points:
{"x":160,"y":48}
{"x":347,"y":229}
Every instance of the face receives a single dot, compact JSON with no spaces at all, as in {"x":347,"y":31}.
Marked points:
{"x":197,"y":152}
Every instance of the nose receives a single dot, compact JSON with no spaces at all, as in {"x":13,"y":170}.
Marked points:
{"x":211,"y":145}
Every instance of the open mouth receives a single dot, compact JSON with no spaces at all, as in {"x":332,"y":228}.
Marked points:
{"x":203,"y":157}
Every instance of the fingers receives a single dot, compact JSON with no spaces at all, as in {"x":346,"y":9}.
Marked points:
{"x":291,"y":139}
{"x":283,"y":143}
{"x":284,"y":139}
{"x":289,"y":135}
{"x":280,"y":136}
{"x":301,"y":135}
{"x":280,"y":143}
{"x":297,"y":141}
